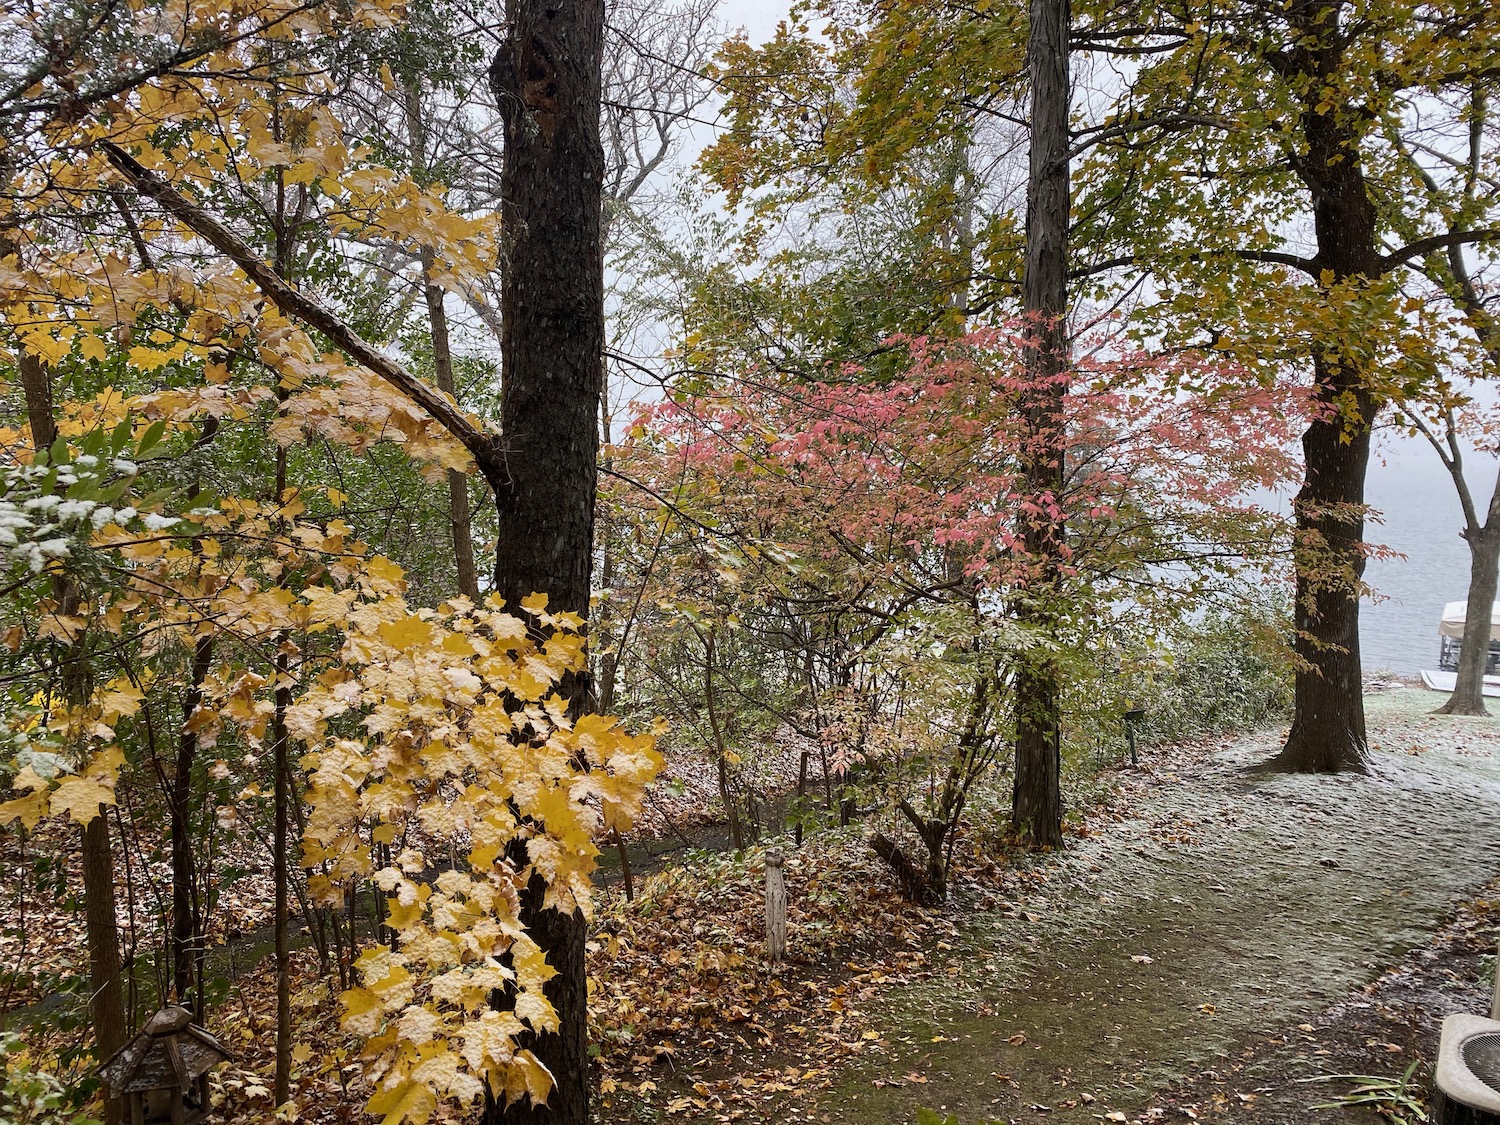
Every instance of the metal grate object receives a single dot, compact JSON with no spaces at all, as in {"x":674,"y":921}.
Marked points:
{"x":1481,"y":1055}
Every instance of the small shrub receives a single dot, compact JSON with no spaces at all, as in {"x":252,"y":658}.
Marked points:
{"x":34,"y":1097}
{"x":1221,"y":675}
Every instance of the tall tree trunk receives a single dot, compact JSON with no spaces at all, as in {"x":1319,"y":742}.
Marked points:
{"x":107,"y":998}
{"x":459,"y":521}
{"x":546,"y":79}
{"x":1328,"y":721}
{"x":106,"y":995}
{"x":280,"y":861}
{"x":1483,"y":538}
{"x":459,"y":518}
{"x":1036,"y":803}
{"x":1484,"y":576}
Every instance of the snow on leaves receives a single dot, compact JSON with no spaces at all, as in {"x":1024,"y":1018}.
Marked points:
{"x":444,"y":728}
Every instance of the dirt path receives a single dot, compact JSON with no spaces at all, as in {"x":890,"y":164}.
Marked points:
{"x":1227,"y":907}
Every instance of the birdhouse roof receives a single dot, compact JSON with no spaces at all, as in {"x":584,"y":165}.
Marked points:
{"x":169,"y":1053}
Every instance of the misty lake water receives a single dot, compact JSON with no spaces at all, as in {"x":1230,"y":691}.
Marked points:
{"x":1421,"y":519}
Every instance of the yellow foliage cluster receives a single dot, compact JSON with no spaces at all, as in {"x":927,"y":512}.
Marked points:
{"x":439,"y":732}
{"x":224,"y":130}
{"x":435,"y":732}
{"x":435,"y":729}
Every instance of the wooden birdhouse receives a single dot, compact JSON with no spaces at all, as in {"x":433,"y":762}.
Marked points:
{"x":162,"y":1074}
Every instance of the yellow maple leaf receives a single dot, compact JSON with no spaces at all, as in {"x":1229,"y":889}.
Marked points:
{"x":456,"y":644}
{"x":92,"y":348}
{"x":530,"y":964}
{"x":28,"y":809}
{"x":121,"y":701}
{"x":407,"y":634}
{"x":490,"y":1040}
{"x":384,"y":575}
{"x":80,"y":797}
{"x":526,"y":1076}
{"x":406,"y":1101}
{"x":29,"y":779}
{"x":402,"y":916}
{"x":149,"y":359}
{"x":48,"y":348}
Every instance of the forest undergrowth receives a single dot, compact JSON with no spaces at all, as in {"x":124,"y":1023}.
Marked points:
{"x":1199,"y":909}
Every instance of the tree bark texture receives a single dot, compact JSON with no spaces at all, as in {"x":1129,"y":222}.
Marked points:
{"x":1328,"y":721}
{"x":546,"y":80}
{"x":1484,"y":577}
{"x":106,"y":994}
{"x":187,"y":914}
{"x":1036,"y":805}
{"x":775,"y":906}
{"x":459,"y":520}
{"x":107,"y":999}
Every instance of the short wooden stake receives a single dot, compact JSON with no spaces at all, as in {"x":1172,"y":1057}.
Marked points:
{"x":775,"y":907}
{"x":1495,"y":995}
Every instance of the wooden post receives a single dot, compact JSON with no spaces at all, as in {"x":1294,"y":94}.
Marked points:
{"x":1495,"y":995}
{"x":775,"y":907}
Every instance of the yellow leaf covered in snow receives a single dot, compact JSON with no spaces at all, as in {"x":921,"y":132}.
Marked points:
{"x":29,"y":810}
{"x":406,"y":1103}
{"x":81,"y":797}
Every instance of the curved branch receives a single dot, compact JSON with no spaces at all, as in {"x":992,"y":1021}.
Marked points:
{"x":485,"y":447}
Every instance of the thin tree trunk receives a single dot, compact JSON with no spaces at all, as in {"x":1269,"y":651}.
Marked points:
{"x":721,"y":751}
{"x":187,"y":922}
{"x":1484,"y":576}
{"x":459,"y":516}
{"x":1483,"y":538}
{"x":801,"y":793}
{"x":625,"y":874}
{"x":281,"y":869}
{"x":106,"y":995}
{"x":285,"y":244}
{"x":1036,"y":803}
{"x":546,"y":80}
